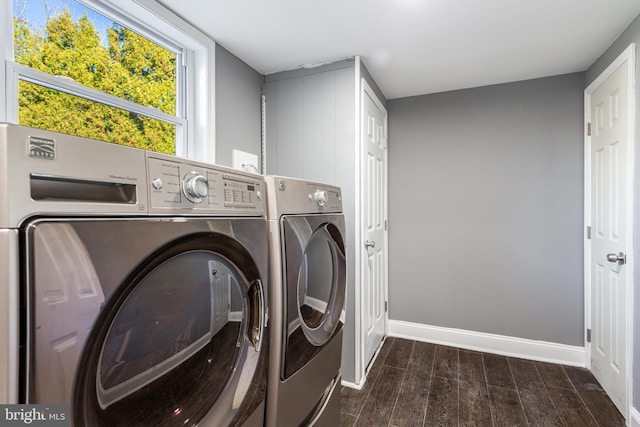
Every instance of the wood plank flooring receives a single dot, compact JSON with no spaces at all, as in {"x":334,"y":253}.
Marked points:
{"x":419,"y":384}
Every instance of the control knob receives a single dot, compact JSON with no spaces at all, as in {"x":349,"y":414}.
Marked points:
{"x":320,"y":197}
{"x":157,"y":184}
{"x":195,"y":187}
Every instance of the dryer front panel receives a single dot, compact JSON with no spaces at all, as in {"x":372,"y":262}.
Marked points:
{"x":315,"y":278}
{"x":149,"y":322}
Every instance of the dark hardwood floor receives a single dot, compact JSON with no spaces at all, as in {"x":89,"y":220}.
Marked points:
{"x":420,"y":384}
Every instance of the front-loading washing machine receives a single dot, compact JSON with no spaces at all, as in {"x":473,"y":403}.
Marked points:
{"x":308,"y":279}
{"x":134,"y":286}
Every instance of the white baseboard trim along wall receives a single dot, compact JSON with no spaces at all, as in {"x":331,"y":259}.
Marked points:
{"x":364,"y":379}
{"x":490,"y":343}
{"x":635,"y":418}
{"x":352,"y":385}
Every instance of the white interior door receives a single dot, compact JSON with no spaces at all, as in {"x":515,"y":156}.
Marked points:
{"x":221,"y":280}
{"x":609,"y":245}
{"x":374,"y":217}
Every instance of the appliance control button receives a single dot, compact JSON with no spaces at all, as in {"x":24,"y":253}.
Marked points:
{"x":195,"y":187}
{"x":320,"y":197}
{"x":157,"y":184}
{"x":259,"y":195}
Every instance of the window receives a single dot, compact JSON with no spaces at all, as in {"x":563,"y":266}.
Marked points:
{"x":90,"y":68}
{"x":45,"y":108}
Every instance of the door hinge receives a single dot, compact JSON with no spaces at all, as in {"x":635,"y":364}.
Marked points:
{"x":589,"y":129}
{"x":588,"y":232}
{"x":385,"y":225}
{"x":386,"y":307}
{"x":588,"y":335}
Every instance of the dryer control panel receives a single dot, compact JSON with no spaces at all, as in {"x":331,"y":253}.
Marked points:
{"x":287,"y":196}
{"x":181,"y":185}
{"x":324,"y":198}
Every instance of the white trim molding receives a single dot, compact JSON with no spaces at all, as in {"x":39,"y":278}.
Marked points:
{"x":354,"y":386}
{"x":235,"y":316}
{"x":359,"y":368}
{"x":634,"y":418}
{"x":363,"y":380}
{"x":6,"y":51}
{"x":490,"y":343}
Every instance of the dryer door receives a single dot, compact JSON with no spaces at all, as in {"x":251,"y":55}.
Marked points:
{"x":178,"y":342}
{"x":315,"y":276}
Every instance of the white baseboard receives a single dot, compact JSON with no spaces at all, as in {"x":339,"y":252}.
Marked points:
{"x":321,"y":306}
{"x":315,"y":303}
{"x":352,"y":385}
{"x":635,"y":418}
{"x":490,"y":343}
{"x":368,"y":369}
{"x":235,"y":316}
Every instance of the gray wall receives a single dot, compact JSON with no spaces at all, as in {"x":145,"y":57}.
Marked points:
{"x":486,"y":209}
{"x":309,"y":120}
{"x":238,"y":107}
{"x":630,"y":35}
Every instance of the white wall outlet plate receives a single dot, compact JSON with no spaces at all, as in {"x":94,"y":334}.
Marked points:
{"x":245,"y":161}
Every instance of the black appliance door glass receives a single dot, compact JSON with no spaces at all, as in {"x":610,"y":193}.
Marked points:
{"x":172,"y":313}
{"x":177,"y":341}
{"x":316,"y":278}
{"x":315,"y":267}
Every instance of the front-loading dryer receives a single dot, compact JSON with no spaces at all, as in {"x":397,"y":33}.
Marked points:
{"x":136,"y":284}
{"x":308,"y":279}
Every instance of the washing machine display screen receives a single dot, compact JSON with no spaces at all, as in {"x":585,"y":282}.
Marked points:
{"x":172,"y":313}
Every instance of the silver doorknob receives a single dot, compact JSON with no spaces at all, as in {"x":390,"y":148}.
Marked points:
{"x":621,"y":258}
{"x":369,"y":244}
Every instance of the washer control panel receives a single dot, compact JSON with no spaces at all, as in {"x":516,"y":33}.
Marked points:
{"x":179,"y":184}
{"x":324,"y":198}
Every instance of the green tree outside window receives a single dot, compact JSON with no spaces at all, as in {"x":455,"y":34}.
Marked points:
{"x":129,"y":66}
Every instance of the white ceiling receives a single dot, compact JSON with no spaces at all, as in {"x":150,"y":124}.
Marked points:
{"x":414,"y":47}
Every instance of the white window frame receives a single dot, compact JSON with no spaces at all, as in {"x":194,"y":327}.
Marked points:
{"x":195,"y":118}
{"x":18,"y":72}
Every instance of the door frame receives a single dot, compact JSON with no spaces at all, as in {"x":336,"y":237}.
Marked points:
{"x":627,"y":55}
{"x":362,"y":89}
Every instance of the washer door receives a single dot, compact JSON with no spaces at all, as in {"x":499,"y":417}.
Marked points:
{"x":178,"y":343}
{"x":315,"y":276}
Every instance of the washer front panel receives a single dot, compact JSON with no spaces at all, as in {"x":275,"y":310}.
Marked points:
{"x":166,"y":316}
